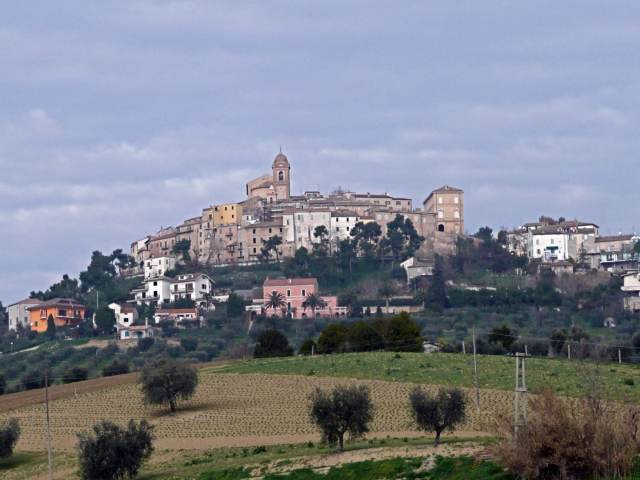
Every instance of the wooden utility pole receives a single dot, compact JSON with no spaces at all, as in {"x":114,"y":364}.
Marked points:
{"x":475,"y":369}
{"x":464,"y":350}
{"x":619,"y":355}
{"x":46,"y":402}
{"x":520,"y":394}
{"x":569,"y":350}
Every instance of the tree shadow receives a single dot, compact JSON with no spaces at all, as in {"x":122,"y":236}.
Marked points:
{"x":16,"y":460}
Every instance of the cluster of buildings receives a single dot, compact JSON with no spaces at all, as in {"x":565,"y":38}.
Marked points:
{"x":234,"y":233}
{"x":567,"y":245}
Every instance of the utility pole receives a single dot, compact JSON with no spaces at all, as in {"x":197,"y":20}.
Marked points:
{"x":520,"y":394}
{"x":464,"y":350}
{"x":569,"y":350}
{"x":46,"y":402}
{"x":619,"y":355}
{"x":475,"y":369}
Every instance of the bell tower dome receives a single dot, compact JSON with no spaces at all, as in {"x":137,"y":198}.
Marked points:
{"x":281,"y":176}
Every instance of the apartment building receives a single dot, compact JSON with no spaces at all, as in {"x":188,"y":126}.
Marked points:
{"x":66,"y":312}
{"x":19,"y":315}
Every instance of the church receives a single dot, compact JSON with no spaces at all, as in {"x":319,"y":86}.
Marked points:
{"x":274,"y":186}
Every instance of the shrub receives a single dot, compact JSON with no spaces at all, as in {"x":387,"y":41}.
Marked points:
{"x":75,"y":374}
{"x":346,"y":409}
{"x":164,"y":381}
{"x":437,"y":413}
{"x":112,"y":452}
{"x":33,"y":379}
{"x":9,"y":434}
{"x":272,"y":343}
{"x":189,"y":344}
{"x":145,"y":344}
{"x":585,"y":438}
{"x":308,"y":347}
{"x":117,"y":367}
{"x":3,"y":384}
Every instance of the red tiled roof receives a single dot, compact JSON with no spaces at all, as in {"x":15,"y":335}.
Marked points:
{"x":283,"y":282}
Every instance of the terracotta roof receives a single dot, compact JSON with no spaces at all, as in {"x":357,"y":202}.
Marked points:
{"x":170,"y":311}
{"x":344,"y":213}
{"x":59,"y":302}
{"x":283,"y":282}
{"x":27,"y":301}
{"x":615,"y":238}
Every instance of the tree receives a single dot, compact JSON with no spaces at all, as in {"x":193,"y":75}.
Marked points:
{"x":402,"y":238}
{"x":182,"y":248}
{"x":321,"y":245}
{"x":313,"y":302}
{"x":271,"y":245}
{"x":33,"y":379}
{"x":362,"y":337}
{"x":436,"y":295}
{"x":332,"y":338}
{"x":112,"y":452}
{"x":145,"y":343}
{"x":105,"y":320}
{"x":9,"y":435}
{"x":308,"y":347}
{"x":403,"y":334}
{"x":75,"y":374}
{"x":346,"y":409}
{"x":367,"y":237}
{"x":164,"y":381}
{"x":503,"y":336}
{"x":486,"y":235}
{"x":272,"y":343}
{"x":387,"y":291}
{"x":117,"y":367}
{"x":275,"y":301}
{"x":189,"y":344}
{"x":346,"y":255}
{"x":3,"y":384}
{"x":66,"y":288}
{"x":51,"y":327}
{"x":235,"y":305}
{"x":437,"y":413}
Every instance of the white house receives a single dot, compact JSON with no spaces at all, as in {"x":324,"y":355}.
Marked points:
{"x":559,"y":242}
{"x":178,"y":315}
{"x":301,"y":225}
{"x":158,"y":267}
{"x":342,"y":222}
{"x":632,"y":285}
{"x":18,"y":313}
{"x":417,"y":268}
{"x":127,"y":327}
{"x":153,"y":290}
{"x":193,"y":286}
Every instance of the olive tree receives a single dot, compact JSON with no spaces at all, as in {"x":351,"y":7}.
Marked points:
{"x":164,"y":381}
{"x":112,"y":452}
{"x":345,"y":409}
{"x":439,"y":412}
{"x":9,"y":434}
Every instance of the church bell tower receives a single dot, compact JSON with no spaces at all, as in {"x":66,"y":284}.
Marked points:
{"x":281,"y":176}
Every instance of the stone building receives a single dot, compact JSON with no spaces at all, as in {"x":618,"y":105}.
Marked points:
{"x":447,"y":203}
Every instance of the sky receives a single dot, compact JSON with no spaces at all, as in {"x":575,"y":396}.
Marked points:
{"x":119,"y":117}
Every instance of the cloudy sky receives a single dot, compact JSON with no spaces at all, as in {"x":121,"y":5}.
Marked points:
{"x":118,"y":117}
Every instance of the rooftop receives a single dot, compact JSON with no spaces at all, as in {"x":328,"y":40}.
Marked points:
{"x":283,"y":282}
{"x":27,"y":301}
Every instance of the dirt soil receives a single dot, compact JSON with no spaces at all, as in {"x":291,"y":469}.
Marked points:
{"x":227,"y":410}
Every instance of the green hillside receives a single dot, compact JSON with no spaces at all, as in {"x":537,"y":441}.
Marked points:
{"x":571,"y":378}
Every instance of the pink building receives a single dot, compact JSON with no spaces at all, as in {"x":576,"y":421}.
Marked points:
{"x":294,"y":292}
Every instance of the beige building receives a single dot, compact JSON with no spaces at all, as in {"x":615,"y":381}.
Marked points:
{"x":274,"y":187}
{"x":447,"y":203}
{"x":18,"y":313}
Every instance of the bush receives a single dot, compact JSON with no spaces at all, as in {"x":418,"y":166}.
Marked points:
{"x":9,"y":434}
{"x":145,"y":344}
{"x":3,"y":384}
{"x":33,"y":379}
{"x":308,"y":347}
{"x":343,"y":410}
{"x":112,"y":452}
{"x":75,"y":374}
{"x":582,"y":439}
{"x":437,"y":413}
{"x":117,"y":367}
{"x":164,"y":381}
{"x":189,"y":344}
{"x":272,"y":343}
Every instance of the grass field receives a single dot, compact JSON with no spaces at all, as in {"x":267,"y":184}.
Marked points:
{"x":570,"y":378}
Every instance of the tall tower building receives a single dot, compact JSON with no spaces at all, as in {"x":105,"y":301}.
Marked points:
{"x":281,"y":176}
{"x":447,"y":203}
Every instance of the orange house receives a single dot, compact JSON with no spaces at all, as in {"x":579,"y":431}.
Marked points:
{"x":66,"y":312}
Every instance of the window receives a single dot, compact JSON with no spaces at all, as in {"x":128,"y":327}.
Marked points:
{"x":456,"y":214}
{"x":254,"y":240}
{"x":456,"y":200}
{"x":281,"y":176}
{"x":304,"y":292}
{"x":269,"y":230}
{"x":155,"y":293}
{"x":62,"y":313}
{"x":288,"y":293}
{"x":280,"y":229}
{"x":204,"y":286}
{"x":440,"y":213}
{"x":254,"y":250}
